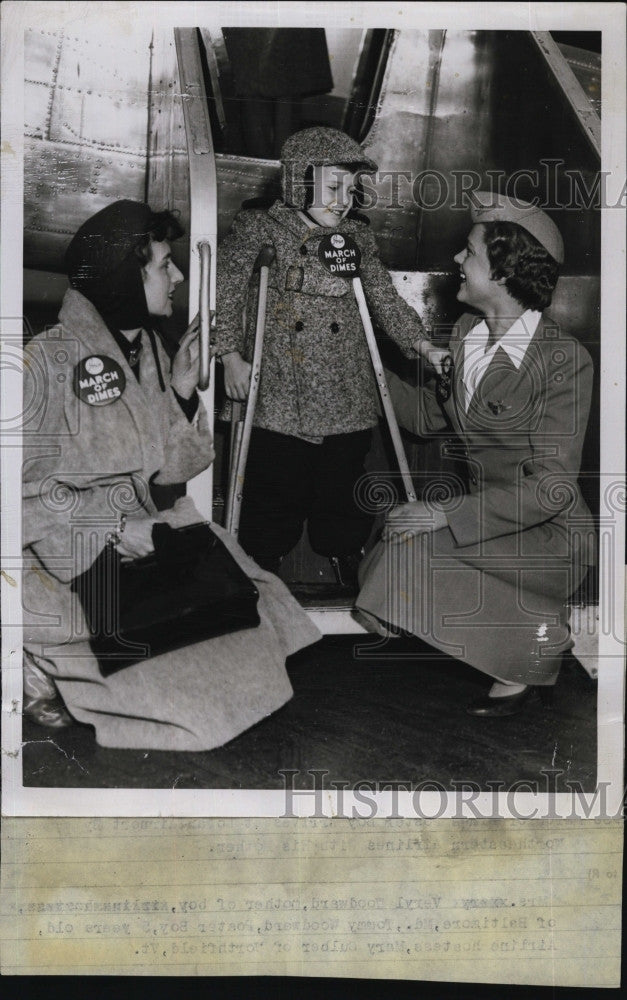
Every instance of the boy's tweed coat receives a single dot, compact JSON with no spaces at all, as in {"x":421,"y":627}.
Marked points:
{"x":316,"y":376}
{"x":83,"y":466}
{"x":490,"y":589}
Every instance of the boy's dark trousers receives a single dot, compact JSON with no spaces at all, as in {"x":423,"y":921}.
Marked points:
{"x":290,"y":481}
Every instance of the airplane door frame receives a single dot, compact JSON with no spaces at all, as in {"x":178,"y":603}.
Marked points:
{"x":203,"y":236}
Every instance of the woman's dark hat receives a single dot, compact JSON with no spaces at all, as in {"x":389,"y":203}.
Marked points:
{"x":106,"y":239}
{"x":102,"y":266}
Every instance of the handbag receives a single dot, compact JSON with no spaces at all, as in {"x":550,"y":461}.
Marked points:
{"x":189,"y":589}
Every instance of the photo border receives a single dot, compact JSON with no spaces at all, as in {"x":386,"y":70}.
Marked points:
{"x":18,"y":800}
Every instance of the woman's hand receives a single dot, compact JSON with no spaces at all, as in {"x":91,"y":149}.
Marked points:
{"x":236,"y":376}
{"x":433,"y":354}
{"x":136,"y":539}
{"x":185,"y":370}
{"x":409,"y":519}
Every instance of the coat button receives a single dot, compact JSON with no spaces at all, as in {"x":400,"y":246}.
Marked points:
{"x":299,"y":325}
{"x":335,"y":327}
{"x":303,"y":250}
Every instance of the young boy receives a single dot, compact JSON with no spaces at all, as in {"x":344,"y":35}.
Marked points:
{"x":317,"y":400}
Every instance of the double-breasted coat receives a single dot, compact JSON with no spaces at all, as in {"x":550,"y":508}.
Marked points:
{"x":316,"y":374}
{"x":490,"y":588}
{"x":85,"y":464}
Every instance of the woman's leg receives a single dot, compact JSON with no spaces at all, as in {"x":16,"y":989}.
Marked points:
{"x":502,"y":612}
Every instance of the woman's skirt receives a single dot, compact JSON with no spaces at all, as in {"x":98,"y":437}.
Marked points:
{"x":499,"y":606}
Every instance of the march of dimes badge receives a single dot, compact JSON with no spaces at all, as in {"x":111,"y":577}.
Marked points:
{"x":98,"y":380}
{"x":340,"y":255}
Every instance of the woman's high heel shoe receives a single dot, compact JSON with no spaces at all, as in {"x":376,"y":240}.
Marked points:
{"x":511,"y":704}
{"x":41,"y":701}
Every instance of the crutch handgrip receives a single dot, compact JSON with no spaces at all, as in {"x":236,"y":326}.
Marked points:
{"x":265,"y":258}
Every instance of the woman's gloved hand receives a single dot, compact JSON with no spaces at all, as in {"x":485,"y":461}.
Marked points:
{"x":236,"y":376}
{"x":433,"y":354}
{"x":135,"y":540}
{"x":410,"y":519}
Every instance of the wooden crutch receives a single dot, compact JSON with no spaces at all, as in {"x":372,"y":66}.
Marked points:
{"x":341,"y":256}
{"x":386,"y":402}
{"x":241,"y":429}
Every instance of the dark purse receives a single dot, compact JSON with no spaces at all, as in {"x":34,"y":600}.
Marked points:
{"x":189,"y":589}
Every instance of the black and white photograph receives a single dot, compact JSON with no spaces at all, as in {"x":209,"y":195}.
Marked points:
{"x":313,"y":490}
{"x":319,"y":460}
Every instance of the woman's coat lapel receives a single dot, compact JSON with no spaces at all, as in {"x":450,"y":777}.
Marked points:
{"x":509,"y":381}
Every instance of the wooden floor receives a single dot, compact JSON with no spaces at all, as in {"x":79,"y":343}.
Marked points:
{"x":364,"y":712}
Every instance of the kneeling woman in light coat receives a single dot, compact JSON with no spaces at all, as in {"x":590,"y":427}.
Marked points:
{"x":124,"y":447}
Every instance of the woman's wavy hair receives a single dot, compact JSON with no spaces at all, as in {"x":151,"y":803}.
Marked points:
{"x":529,"y":270}
{"x":161,"y":226}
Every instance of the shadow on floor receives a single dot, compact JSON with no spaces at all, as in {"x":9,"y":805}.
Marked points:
{"x":363,"y":710}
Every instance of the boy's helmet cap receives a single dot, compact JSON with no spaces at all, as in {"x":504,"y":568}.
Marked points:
{"x":322,"y":146}
{"x":317,"y":147}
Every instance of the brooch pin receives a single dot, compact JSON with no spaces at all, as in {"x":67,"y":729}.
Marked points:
{"x":444,"y":384}
{"x":498,"y":406}
{"x":133,"y":354}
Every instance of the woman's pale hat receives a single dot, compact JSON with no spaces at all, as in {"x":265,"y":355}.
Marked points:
{"x":490,"y":206}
